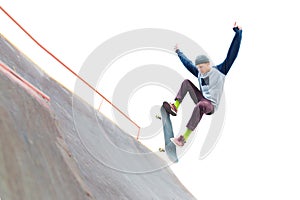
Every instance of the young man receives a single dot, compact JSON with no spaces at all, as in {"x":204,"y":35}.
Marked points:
{"x":211,"y":81}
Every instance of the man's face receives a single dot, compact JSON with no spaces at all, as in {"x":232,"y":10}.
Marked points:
{"x":204,"y":67}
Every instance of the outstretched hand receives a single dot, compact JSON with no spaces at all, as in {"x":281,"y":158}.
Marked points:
{"x":235,"y":25}
{"x":176,"y":47}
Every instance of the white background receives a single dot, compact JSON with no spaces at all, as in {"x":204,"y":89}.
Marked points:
{"x":257,"y":156}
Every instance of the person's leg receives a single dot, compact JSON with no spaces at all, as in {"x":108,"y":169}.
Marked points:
{"x":196,"y":95}
{"x":186,"y":86}
{"x":202,"y":107}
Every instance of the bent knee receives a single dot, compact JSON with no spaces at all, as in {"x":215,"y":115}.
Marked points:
{"x":201,"y":104}
{"x":205,"y":106}
{"x":186,"y":81}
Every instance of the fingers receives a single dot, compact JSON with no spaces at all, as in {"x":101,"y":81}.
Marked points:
{"x":235,"y":25}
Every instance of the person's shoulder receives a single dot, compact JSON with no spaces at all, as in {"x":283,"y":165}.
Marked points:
{"x":216,"y":71}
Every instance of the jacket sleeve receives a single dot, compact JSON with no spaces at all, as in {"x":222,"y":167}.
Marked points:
{"x":187,"y":63}
{"x":232,"y":52}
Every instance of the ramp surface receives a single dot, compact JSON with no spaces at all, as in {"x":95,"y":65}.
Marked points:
{"x":64,"y":149}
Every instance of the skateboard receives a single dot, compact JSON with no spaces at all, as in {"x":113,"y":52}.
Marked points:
{"x":170,"y":147}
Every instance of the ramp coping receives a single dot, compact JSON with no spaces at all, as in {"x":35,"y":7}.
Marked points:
{"x":35,"y":89}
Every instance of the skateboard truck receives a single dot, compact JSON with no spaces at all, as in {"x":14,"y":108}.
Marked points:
{"x":158,"y":117}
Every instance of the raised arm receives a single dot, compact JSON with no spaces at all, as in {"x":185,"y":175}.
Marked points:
{"x":186,"y":62}
{"x":232,"y":52}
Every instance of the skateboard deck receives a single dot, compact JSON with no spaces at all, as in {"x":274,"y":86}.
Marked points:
{"x":170,"y":147}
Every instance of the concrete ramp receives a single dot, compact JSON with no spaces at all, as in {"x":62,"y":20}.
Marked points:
{"x":64,"y":149}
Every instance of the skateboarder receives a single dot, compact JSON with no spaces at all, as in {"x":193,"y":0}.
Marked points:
{"x":211,"y":80}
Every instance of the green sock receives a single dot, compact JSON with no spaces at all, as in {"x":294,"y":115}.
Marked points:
{"x":187,"y":134}
{"x":176,"y":104}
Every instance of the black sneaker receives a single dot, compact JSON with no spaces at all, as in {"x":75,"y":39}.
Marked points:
{"x":170,"y":108}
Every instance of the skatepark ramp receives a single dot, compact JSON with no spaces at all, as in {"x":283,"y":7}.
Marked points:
{"x":62,"y":148}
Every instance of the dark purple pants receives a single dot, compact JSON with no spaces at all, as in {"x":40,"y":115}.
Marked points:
{"x":203,"y":106}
